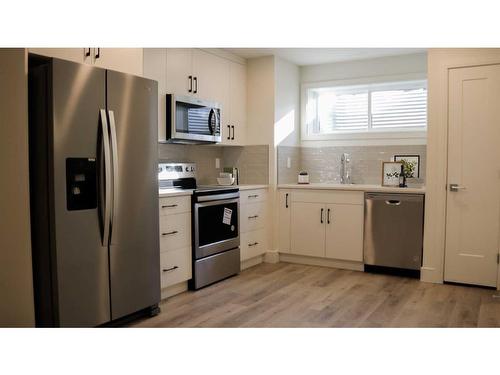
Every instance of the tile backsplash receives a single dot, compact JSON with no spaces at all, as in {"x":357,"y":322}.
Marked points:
{"x":252,"y":161}
{"x":323,"y":163}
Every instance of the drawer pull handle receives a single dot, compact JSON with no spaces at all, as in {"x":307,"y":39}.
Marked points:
{"x":169,"y":206}
{"x":253,"y":217}
{"x":170,"y":269}
{"x":253,"y":196}
{"x":253,"y":244}
{"x":170,"y":233}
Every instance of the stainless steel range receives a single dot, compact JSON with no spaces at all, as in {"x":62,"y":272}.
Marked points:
{"x":215,"y":224}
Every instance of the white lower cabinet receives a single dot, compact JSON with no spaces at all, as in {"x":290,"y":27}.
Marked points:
{"x":175,"y":242}
{"x":253,"y":244}
{"x":175,"y":266}
{"x":308,"y":229}
{"x":253,"y":223}
{"x":325,"y":225}
{"x":344,"y":232}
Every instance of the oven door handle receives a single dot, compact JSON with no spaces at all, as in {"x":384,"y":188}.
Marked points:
{"x":216,"y":203}
{"x":217,"y":197}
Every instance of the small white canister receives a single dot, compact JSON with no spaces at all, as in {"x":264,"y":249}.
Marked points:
{"x":303,"y":177}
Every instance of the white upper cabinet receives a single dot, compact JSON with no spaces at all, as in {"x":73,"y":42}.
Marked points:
{"x":179,"y":70}
{"x":78,"y":55}
{"x":234,"y":129}
{"x":126,"y":60}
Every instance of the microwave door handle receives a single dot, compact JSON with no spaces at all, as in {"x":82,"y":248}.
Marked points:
{"x":114,"y":162}
{"x":107,"y":179}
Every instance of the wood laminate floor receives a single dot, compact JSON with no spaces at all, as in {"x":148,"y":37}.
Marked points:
{"x":292,"y":295}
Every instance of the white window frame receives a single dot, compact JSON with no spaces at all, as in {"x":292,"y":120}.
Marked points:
{"x":372,"y":136}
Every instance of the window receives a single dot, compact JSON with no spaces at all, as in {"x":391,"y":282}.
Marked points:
{"x":381,"y":107}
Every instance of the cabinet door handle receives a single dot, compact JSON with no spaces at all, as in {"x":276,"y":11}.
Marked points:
{"x":170,"y":269}
{"x":170,"y":233}
{"x":321,"y":217}
{"x":253,"y":244}
{"x":253,"y":217}
{"x":253,"y":196}
{"x":195,"y":85}
{"x":328,"y":216}
{"x":190,"y":84}
{"x":169,"y":206}
{"x":232,"y":138}
{"x":87,"y":52}
{"x":98,"y":53}
{"x":286,"y":200}
{"x":229,"y":132}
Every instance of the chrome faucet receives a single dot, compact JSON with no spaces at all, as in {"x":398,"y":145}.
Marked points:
{"x":345,"y":170}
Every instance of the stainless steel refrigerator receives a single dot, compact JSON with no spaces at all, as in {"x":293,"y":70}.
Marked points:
{"x":93,"y":191}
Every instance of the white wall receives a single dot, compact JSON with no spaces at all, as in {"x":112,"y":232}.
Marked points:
{"x":382,"y":66}
{"x":16,"y":284}
{"x":287,"y":103}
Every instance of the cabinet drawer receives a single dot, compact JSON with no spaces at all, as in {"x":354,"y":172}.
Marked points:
{"x":175,"y":205}
{"x":175,"y":266}
{"x":253,"y":196}
{"x":253,"y":216}
{"x":320,"y":196}
{"x":253,"y":243}
{"x":175,"y":231}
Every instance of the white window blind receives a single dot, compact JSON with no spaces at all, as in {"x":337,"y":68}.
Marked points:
{"x":377,"y":107}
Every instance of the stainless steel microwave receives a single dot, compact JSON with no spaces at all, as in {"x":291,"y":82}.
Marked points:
{"x":192,"y":120}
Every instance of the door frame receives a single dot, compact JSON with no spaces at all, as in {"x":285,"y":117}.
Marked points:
{"x":440,"y":61}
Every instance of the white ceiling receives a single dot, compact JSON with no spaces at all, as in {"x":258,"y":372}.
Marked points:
{"x":312,"y":56}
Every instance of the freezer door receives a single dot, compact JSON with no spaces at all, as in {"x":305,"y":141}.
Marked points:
{"x":81,"y":259}
{"x":134,"y":251}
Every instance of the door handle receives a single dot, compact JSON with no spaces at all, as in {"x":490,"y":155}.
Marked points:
{"x":328,"y":216}
{"x":169,"y":206}
{"x":170,"y":233}
{"x":107,"y":178}
{"x":195,"y":85}
{"x":456,"y":187}
{"x":232,"y":138}
{"x":253,"y":196}
{"x":286,"y":200}
{"x":87,"y":52}
{"x":229,"y":132}
{"x":114,"y":163}
{"x":253,"y":217}
{"x":190,"y":84}
{"x":98,"y":53}
{"x":253,"y":244}
{"x":321,"y":218}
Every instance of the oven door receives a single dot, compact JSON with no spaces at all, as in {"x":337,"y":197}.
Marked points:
{"x":192,"y":119}
{"x":216,"y":227}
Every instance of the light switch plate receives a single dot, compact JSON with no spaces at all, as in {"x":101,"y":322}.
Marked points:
{"x":289,"y":162}
{"x":217,"y":163}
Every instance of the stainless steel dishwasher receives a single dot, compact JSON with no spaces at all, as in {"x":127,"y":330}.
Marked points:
{"x":394,"y":226}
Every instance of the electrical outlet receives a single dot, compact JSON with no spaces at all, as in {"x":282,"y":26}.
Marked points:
{"x":217,"y":163}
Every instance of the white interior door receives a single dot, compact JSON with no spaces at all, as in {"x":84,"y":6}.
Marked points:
{"x":473,"y":209}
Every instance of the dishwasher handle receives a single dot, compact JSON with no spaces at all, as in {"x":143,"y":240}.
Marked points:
{"x":393,"y":202}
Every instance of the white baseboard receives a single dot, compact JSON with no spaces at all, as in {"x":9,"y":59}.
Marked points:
{"x":430,"y":275}
{"x":174,"y":289}
{"x":251,"y":262}
{"x":272,"y":257}
{"x":313,"y":261}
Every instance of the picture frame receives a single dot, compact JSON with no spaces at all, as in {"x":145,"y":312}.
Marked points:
{"x":413,"y":159}
{"x":390,"y":173}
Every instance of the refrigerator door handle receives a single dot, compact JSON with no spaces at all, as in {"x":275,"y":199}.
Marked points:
{"x":107,"y":178}
{"x":114,"y":162}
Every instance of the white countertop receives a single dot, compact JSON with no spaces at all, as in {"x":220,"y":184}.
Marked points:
{"x":355,"y":187}
{"x":176,"y":192}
